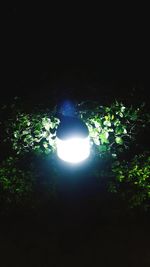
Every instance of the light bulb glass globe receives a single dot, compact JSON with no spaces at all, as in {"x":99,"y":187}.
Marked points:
{"x":74,"y":149}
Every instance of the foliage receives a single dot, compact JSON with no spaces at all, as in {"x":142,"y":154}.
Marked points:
{"x":113,"y":130}
{"x":25,"y":183}
{"x":35,"y":132}
{"x":132,"y":180}
{"x":16,"y":184}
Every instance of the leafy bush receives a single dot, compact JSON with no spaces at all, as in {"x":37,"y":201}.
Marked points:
{"x":35,"y":132}
{"x":132,"y":180}
{"x":16,"y":184}
{"x":113,"y":130}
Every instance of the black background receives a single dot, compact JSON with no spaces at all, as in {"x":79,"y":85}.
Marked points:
{"x":53,"y":55}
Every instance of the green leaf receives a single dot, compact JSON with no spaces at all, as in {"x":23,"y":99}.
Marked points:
{"x":47,"y":151}
{"x":121,"y":114}
{"x":114,"y":155}
{"x":97,"y":141}
{"x":102,"y":148}
{"x":104,"y":137}
{"x":123,"y":109}
{"x":45,"y":144}
{"x":25,"y":132}
{"x":107,"y":123}
{"x":119,"y":140}
{"x":119,"y":130}
{"x":117,"y":122}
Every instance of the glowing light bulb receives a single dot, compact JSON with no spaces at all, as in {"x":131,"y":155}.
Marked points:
{"x":74,"y":149}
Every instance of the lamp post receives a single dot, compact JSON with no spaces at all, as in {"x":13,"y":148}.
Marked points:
{"x":72,"y":140}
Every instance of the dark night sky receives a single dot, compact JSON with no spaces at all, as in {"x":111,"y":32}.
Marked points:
{"x":41,"y":59}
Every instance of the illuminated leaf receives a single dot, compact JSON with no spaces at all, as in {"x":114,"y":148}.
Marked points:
{"x":119,"y":140}
{"x":104,"y":137}
{"x":107,"y":123}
